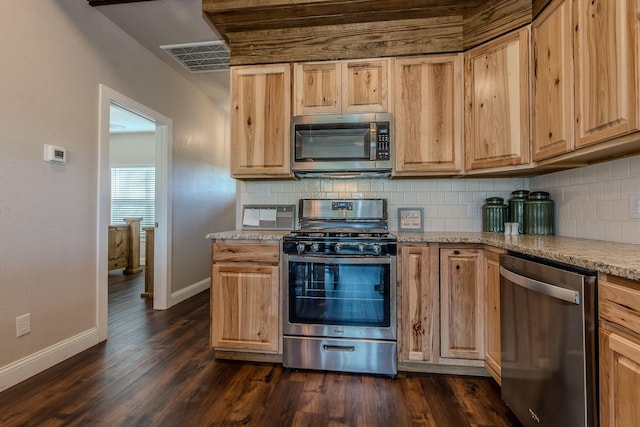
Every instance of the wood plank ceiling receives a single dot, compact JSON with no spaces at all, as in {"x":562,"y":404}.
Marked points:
{"x":269,"y":31}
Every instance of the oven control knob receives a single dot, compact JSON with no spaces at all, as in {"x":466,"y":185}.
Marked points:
{"x":338,"y":248}
{"x":377,"y":249}
{"x":362,"y":248}
{"x":300,"y":247}
{"x":314,"y":247}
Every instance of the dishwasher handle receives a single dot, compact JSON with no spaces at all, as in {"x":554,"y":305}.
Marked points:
{"x":558,"y":292}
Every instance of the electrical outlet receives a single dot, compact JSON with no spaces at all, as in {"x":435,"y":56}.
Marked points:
{"x":634,"y":206}
{"x":23,"y":324}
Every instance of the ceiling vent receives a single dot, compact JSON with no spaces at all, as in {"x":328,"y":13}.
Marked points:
{"x":200,"y":57}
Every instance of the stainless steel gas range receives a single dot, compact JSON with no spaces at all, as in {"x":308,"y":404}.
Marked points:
{"x":339,"y":308}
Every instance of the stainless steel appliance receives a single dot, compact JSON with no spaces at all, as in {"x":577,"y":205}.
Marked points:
{"x":350,"y":145}
{"x":549,"y":342}
{"x":339,"y":308}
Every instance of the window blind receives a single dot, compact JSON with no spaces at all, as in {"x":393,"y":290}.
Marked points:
{"x":133,"y":195}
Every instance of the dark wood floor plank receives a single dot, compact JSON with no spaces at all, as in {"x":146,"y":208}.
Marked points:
{"x":156,"y":369}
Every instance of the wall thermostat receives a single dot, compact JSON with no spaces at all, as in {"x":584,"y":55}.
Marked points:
{"x":54,"y":154}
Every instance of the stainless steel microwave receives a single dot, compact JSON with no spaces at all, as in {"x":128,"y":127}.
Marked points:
{"x":342,"y":145}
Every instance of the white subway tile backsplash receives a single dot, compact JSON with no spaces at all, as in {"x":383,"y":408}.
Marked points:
{"x":451,"y":198}
{"x":630,"y":231}
{"x":613,"y":231}
{"x":437,"y":198}
{"x":611,"y":190}
{"x":444,"y":185}
{"x":589,"y":209}
{"x":634,"y":166}
{"x":596,"y":230}
{"x":595,"y":190}
{"x":603,"y":211}
{"x":581,"y":192}
{"x":458,"y":185}
{"x":472,"y":184}
{"x":594,"y":200}
{"x":591,"y":202}
{"x":620,"y":168}
{"x":603,"y":171}
{"x":629,"y":186}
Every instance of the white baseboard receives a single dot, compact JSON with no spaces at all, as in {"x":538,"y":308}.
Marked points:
{"x":189,"y":291}
{"x":28,"y":366}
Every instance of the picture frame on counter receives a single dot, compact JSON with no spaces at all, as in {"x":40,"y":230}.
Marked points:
{"x":411,"y":219}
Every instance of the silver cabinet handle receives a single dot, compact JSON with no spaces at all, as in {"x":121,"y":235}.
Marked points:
{"x":541,"y":287}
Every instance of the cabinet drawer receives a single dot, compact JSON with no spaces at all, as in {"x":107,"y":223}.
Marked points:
{"x":619,"y":301}
{"x":265,"y":253}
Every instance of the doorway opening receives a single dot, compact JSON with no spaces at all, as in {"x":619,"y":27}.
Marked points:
{"x":153,"y":154}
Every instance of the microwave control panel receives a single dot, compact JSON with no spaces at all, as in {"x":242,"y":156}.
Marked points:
{"x":383,"y":147}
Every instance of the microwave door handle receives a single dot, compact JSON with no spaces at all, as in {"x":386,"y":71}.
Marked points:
{"x":373,"y":139}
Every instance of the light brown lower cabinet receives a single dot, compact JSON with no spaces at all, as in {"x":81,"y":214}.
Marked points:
{"x":245,"y":289}
{"x":441,"y":311}
{"x":461,"y":304}
{"x":619,"y":311}
{"x":418,"y":321}
{"x":492,"y":347}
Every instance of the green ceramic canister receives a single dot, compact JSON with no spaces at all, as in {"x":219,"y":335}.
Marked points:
{"x":516,"y":208}
{"x":539,"y":214}
{"x":494,"y":214}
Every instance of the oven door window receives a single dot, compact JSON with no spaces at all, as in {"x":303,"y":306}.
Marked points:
{"x":348,"y":294}
{"x":332,"y":143}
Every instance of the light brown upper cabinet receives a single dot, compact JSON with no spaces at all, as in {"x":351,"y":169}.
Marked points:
{"x":260,"y":121}
{"x":428,"y":115}
{"x":497,"y":103}
{"x":607,"y":73}
{"x":552,"y":81}
{"x":342,"y":87}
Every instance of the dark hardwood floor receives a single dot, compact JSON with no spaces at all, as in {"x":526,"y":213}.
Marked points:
{"x":156,"y":369}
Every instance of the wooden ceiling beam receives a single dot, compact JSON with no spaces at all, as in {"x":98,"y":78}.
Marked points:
{"x":267,"y":31}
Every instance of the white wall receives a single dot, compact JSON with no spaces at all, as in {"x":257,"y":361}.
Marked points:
{"x":449,"y":204}
{"x":593,"y":202}
{"x":132,"y":149}
{"x":54,"y":56}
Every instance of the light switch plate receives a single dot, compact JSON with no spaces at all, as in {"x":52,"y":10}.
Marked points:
{"x":634,"y":206}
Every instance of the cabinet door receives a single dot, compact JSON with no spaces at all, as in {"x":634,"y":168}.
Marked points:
{"x":317,"y":88}
{"x":461,"y":304}
{"x":417,"y":316}
{"x":260,"y":121}
{"x":428,"y":110}
{"x":492,"y":313}
{"x":244,"y":307}
{"x":552,"y":81}
{"x":606,"y":69}
{"x":365,"y":86}
{"x":619,"y":377}
{"x":497,"y":103}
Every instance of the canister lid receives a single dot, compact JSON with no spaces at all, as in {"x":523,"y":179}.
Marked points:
{"x":495,"y":200}
{"x":539,"y":195}
{"x":520,"y":194}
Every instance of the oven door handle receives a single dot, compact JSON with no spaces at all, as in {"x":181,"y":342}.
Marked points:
{"x":345,"y":348}
{"x":548,"y":289}
{"x":324,"y":259}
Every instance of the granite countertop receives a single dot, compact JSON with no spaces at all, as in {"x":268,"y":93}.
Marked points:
{"x":619,"y":259}
{"x":248,"y":235}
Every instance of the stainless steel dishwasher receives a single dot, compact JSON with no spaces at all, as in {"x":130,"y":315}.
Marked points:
{"x":548,"y":342}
